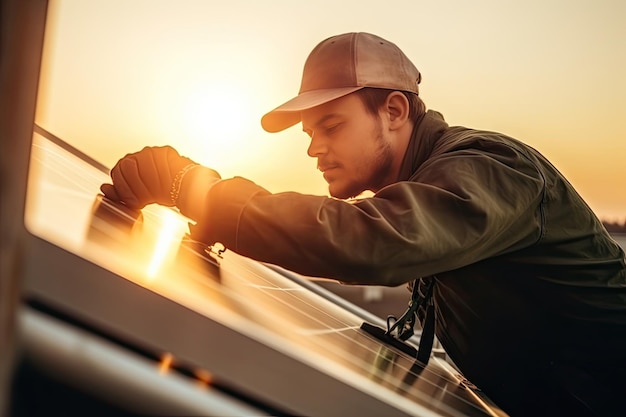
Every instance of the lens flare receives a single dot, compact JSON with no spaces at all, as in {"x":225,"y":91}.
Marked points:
{"x":168,"y":238}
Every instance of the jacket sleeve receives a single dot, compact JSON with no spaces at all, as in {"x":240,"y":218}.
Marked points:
{"x":457,"y":209}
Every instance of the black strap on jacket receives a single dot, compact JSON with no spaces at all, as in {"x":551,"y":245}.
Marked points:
{"x":421,"y":300}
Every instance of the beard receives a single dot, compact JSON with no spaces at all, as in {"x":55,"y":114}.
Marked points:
{"x":374,"y":174}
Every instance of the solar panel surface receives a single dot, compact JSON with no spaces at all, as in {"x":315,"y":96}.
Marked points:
{"x":137,"y":278}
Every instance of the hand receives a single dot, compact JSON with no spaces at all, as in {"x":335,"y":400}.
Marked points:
{"x":146,"y":177}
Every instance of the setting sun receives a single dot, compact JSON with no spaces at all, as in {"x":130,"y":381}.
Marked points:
{"x":198,"y":75}
{"x":215,"y":117}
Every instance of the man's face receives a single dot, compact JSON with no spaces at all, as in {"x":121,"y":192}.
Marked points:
{"x":350,"y":146}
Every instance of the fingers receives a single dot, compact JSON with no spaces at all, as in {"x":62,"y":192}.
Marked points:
{"x":157,"y":167}
{"x":151,"y":172}
{"x":145,"y":177}
{"x":109,"y":191}
{"x":160,"y":162}
{"x":128,"y":184}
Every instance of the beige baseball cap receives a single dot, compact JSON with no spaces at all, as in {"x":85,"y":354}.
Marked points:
{"x":341,"y":65}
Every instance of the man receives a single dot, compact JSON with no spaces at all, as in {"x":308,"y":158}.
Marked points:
{"x":528,"y":289}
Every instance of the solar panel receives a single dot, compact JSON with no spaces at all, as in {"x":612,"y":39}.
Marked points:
{"x":259,"y":333}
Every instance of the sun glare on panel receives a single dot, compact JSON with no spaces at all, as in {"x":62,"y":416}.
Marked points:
{"x":167,"y":240}
{"x":165,"y":364}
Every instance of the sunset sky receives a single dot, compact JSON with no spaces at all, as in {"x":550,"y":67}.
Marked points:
{"x":119,"y":75}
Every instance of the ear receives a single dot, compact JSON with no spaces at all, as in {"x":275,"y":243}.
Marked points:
{"x":396,"y":109}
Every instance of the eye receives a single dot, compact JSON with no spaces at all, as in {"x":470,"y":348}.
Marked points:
{"x":330,"y":129}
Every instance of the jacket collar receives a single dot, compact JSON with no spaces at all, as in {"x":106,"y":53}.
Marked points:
{"x":426,"y":132}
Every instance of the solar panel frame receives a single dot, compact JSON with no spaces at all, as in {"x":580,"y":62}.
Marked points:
{"x":255,"y":330}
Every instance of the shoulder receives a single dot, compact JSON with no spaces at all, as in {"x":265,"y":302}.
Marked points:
{"x":459,"y":140}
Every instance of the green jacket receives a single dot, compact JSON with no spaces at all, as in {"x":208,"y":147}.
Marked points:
{"x":527,"y":280}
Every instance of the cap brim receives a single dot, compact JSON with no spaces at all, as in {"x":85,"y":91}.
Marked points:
{"x":288,"y":114}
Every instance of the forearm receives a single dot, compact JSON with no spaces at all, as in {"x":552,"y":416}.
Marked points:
{"x":443,"y":220}
{"x":385,"y":241}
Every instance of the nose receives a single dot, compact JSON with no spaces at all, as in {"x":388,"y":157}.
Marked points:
{"x":317,"y":147}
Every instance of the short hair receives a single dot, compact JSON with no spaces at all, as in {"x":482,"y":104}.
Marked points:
{"x":374,"y":98}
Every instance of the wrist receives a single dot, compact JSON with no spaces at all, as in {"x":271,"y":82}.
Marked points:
{"x":194,"y":188}
{"x":178,"y":181}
